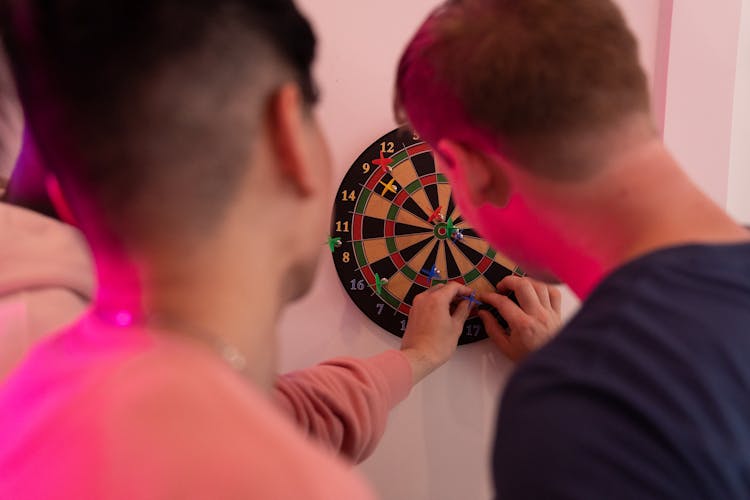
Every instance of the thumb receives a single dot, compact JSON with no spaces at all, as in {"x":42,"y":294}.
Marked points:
{"x":498,"y":334}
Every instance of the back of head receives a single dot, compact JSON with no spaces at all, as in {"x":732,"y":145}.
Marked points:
{"x":11,"y":122}
{"x":146,"y":110}
{"x":532,"y":77}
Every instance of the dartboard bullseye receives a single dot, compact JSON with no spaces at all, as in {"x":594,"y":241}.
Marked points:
{"x":396,"y":232}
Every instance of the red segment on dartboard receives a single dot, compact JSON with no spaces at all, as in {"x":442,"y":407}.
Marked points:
{"x":398,"y":260}
{"x":369,"y":276}
{"x":429,"y":179}
{"x":357,"y":227}
{"x":390,"y":229}
{"x":404,"y":308}
{"x":485,"y":264}
{"x":423,"y":280}
{"x":401,"y":197}
{"x":418,"y":149}
{"x":375,"y":180}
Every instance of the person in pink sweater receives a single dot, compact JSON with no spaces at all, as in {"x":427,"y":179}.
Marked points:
{"x":186,"y":150}
{"x":343,"y":403}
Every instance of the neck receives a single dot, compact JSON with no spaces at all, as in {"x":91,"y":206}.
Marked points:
{"x":641,"y":202}
{"x":223,"y":292}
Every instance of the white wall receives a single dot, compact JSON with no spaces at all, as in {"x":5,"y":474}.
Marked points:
{"x":738,"y":201}
{"x":438,"y":441}
{"x":700,"y":91}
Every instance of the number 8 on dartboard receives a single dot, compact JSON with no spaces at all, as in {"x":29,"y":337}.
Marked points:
{"x":396,"y":232}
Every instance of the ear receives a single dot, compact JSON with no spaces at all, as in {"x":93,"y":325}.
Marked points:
{"x":482,"y":178}
{"x":289,"y":131}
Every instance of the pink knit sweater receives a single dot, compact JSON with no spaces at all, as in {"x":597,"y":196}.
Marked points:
{"x":46,"y":281}
{"x":103,"y":412}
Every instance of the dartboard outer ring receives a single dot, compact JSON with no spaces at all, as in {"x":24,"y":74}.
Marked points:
{"x":382,"y":229}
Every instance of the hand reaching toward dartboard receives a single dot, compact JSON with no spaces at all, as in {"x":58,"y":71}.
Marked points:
{"x":436,"y":321}
{"x":532,"y":321}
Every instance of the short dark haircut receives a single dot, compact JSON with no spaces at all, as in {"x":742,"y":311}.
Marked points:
{"x":149,"y":107}
{"x":530,"y":75}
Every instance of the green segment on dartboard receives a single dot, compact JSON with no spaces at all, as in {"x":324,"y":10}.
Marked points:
{"x":442,"y":179}
{"x":409,"y":273}
{"x":359,"y":251}
{"x":491,"y":253}
{"x":414,"y":187}
{"x":399,"y":158}
{"x":390,"y":243}
{"x":393,"y":212}
{"x":390,"y":299}
{"x":362,"y":202}
{"x":472,"y":276}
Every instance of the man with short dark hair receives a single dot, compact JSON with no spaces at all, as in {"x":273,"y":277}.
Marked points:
{"x":539,"y":113}
{"x":186,"y":149}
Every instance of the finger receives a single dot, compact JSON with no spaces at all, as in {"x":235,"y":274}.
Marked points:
{"x":524,"y":290}
{"x":462,"y":312}
{"x":555,"y":298}
{"x":508,"y":309}
{"x":497,"y":333}
{"x":542,"y":291}
{"x":435,"y":288}
{"x":454,"y":290}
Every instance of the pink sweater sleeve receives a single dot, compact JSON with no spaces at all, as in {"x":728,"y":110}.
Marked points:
{"x":344,"y":403}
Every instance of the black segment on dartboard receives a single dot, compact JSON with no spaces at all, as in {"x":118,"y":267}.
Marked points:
{"x":352,"y":279}
{"x":471,"y":254}
{"x":424,"y":165}
{"x":412,"y":207}
{"x":451,"y":208}
{"x":432,"y":195}
{"x":409,"y":253}
{"x":453,"y":269}
{"x":496,"y":273}
{"x":372,"y":228}
{"x":413,"y":292}
{"x":384,"y":267}
{"x":430,"y":262}
{"x":406,"y":229}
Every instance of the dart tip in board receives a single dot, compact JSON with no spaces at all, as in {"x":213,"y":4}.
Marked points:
{"x":334,"y":243}
{"x":380,"y":283}
{"x":437,"y":215}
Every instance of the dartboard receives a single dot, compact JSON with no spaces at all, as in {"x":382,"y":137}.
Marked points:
{"x":396,"y":232}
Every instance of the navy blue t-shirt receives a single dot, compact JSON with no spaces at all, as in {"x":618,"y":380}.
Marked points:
{"x":645,"y":394}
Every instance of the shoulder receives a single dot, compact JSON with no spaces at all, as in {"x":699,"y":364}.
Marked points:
{"x":199,"y":429}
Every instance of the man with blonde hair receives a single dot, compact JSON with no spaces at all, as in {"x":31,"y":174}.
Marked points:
{"x":539,"y":113}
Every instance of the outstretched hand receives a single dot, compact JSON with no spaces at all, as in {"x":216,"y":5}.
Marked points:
{"x":531,"y":323}
{"x":435,"y":324}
